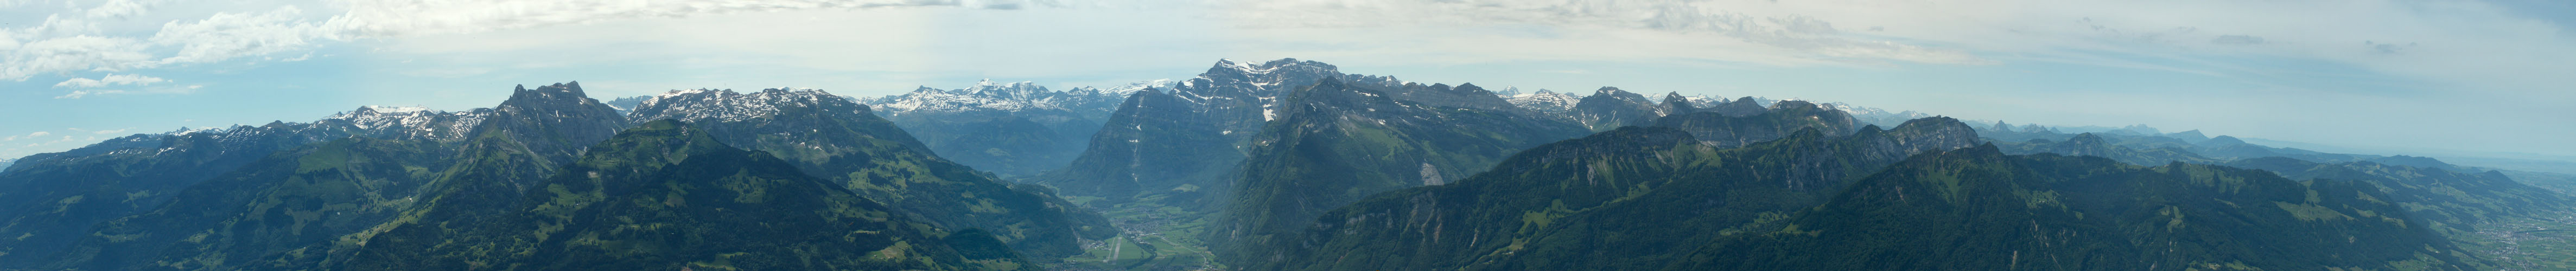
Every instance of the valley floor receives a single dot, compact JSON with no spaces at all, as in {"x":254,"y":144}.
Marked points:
{"x":1152,"y":237}
{"x":2546,"y":241}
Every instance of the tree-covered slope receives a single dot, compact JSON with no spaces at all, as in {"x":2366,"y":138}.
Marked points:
{"x":1978,"y":209}
{"x":2454,"y":201}
{"x":2090,"y":144}
{"x":1728,"y":130}
{"x":830,"y":137}
{"x":1625,"y":199}
{"x":290,"y":200}
{"x":47,"y":200}
{"x":1335,"y":143}
{"x":51,"y":199}
{"x":667,"y":196}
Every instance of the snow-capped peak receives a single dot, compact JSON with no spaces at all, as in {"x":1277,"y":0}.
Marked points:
{"x":677,"y":93}
{"x":388,"y":109}
{"x":991,"y":95}
{"x":1238,"y":65}
{"x":1132,"y":88}
{"x":183,"y":130}
{"x":1545,"y":101}
{"x":727,"y":105}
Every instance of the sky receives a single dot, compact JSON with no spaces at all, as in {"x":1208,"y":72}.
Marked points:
{"x":2433,"y":76}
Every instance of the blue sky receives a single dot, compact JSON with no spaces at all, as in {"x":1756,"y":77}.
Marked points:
{"x":2457,"y":77}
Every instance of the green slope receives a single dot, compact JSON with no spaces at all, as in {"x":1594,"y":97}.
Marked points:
{"x":1336,"y":143}
{"x":2455,"y":202}
{"x":840,"y":141}
{"x":1978,"y":209}
{"x":1630,"y":198}
{"x":2089,"y":144}
{"x":287,"y":201}
{"x":666,"y":196}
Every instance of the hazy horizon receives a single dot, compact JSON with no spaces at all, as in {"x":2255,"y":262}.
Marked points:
{"x":2445,"y":78}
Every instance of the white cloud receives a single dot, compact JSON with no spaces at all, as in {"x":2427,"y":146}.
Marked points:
{"x":228,"y":35}
{"x":112,"y":131}
{"x":118,"y":9}
{"x":381,"y":18}
{"x":77,"y":94}
{"x":37,"y":134}
{"x":111,"y":80}
{"x":1801,"y":38}
{"x":75,"y":53}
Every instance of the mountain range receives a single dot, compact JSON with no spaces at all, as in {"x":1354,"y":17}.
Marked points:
{"x":1273,"y":165}
{"x":1015,"y":129}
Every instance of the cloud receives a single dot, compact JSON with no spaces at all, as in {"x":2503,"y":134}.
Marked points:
{"x":111,"y":80}
{"x":118,"y":9}
{"x":75,"y":41}
{"x":76,"y":53}
{"x":228,"y":35}
{"x":77,"y":94}
{"x":1804,"y":38}
{"x":102,"y":132}
{"x":37,"y":134}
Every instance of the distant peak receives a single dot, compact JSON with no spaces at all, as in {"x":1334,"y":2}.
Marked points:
{"x":2086,"y":137}
{"x":383,"y":109}
{"x":2224,"y":140}
{"x":1266,"y":67}
{"x":1608,"y":90}
{"x":1229,"y":63}
{"x":1797,"y":104}
{"x":1933,"y":122}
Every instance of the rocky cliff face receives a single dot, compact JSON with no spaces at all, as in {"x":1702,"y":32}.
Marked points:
{"x":1462,"y":96}
{"x":1610,"y":108}
{"x":1184,"y":143}
{"x":555,"y":121}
